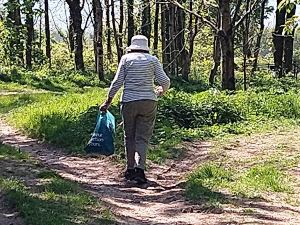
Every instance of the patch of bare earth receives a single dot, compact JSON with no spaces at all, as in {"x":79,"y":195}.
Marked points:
{"x":163,"y":201}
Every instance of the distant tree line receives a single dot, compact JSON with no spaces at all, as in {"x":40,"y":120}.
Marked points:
{"x":171,"y":27}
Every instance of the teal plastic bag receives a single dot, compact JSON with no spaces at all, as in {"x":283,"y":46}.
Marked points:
{"x":102,"y":140}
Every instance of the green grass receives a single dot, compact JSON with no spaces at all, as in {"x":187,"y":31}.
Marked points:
{"x":7,"y":152}
{"x":48,"y":79}
{"x":53,"y":200}
{"x":15,"y":87}
{"x":10,"y":102}
{"x":210,"y":181}
{"x":68,"y":119}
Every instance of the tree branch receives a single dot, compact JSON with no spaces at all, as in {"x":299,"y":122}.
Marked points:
{"x":81,"y":7}
{"x":204,"y":20}
{"x":87,"y":20}
{"x":237,"y":9}
{"x":245,"y":15}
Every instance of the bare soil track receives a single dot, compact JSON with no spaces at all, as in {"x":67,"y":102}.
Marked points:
{"x":163,"y":202}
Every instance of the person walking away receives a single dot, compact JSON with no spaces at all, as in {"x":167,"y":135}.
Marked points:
{"x":137,"y":72}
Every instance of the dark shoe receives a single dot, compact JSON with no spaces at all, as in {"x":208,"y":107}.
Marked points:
{"x":130,"y":174}
{"x":140,"y":177}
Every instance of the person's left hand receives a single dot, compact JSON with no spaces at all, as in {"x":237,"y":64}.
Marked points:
{"x":159,"y":91}
{"x":105,"y":105}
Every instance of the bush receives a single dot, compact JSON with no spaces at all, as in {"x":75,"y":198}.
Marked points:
{"x":206,"y":109}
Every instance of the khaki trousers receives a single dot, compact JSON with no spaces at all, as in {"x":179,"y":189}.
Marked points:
{"x":138,"y":123}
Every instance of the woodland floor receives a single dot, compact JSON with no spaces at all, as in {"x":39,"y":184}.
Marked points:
{"x":163,"y":202}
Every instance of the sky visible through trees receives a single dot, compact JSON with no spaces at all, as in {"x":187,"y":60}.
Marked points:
{"x":59,"y":9}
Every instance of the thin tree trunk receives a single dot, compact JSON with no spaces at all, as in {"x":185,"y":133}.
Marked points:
{"x":40,"y":29}
{"x":167,"y":49}
{"x":217,"y":60}
{"x":289,"y":45}
{"x":246,"y":45}
{"x":16,"y":45}
{"x":76,"y":17}
{"x":278,"y":40}
{"x":116,"y":33}
{"x":163,"y":30}
{"x":155,"y":42}
{"x":121,"y":25}
{"x":98,"y":32}
{"x":180,"y":40}
{"x":227,"y":47}
{"x":30,"y":32}
{"x":187,"y":55}
{"x":259,"y":37}
{"x":130,"y":17}
{"x":108,"y":30}
{"x":146,"y":20}
{"x":173,"y":50}
{"x":71,"y":35}
{"x":216,"y":55}
{"x":47,"y":33}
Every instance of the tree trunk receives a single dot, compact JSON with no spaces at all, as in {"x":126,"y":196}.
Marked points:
{"x":289,"y":45}
{"x":216,"y":55}
{"x":30,"y":32}
{"x":167,"y":49}
{"x":187,"y":55}
{"x":155,"y":42}
{"x":121,"y":25}
{"x":116,"y":33}
{"x":259,"y":37}
{"x":164,"y":40}
{"x":108,"y":30}
{"x":227,"y":47}
{"x":98,"y":32}
{"x":76,"y":17}
{"x":187,"y":61}
{"x":180,"y":41}
{"x":16,"y":45}
{"x":130,"y":21}
{"x":47,"y":33}
{"x":172,"y":51}
{"x":217,"y":60}
{"x":40,"y":28}
{"x":278,"y":40}
{"x":71,"y":35}
{"x":146,"y":20}
{"x":246,"y":45}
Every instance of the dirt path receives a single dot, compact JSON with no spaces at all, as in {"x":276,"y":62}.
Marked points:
{"x":163,"y":203}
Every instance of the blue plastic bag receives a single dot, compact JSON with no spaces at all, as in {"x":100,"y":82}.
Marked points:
{"x":102,"y":140}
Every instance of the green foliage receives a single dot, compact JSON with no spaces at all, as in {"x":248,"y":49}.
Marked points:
{"x":50,"y":79}
{"x":207,"y":108}
{"x":67,"y":120}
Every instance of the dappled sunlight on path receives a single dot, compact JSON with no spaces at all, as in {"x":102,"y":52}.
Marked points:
{"x":163,"y":201}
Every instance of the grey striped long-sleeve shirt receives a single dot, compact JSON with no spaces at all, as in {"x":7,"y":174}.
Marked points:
{"x":138,"y":72}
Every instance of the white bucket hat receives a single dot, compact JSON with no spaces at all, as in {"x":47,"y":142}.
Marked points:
{"x":139,"y":42}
